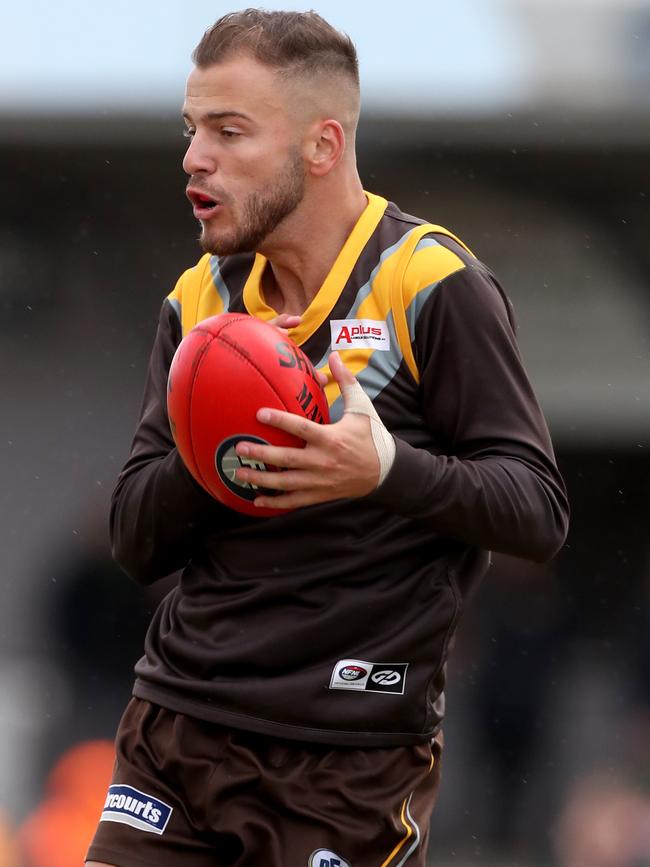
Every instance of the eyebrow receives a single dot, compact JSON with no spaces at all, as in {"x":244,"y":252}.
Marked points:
{"x":219,"y":115}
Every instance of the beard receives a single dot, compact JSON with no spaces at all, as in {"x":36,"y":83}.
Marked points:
{"x":261,"y":212}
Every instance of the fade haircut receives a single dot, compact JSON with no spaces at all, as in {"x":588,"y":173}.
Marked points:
{"x":293,"y":43}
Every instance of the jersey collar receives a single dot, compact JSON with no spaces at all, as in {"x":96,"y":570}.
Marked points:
{"x":327,"y":296}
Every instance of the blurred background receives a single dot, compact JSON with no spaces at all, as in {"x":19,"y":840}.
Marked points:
{"x":521,"y":125}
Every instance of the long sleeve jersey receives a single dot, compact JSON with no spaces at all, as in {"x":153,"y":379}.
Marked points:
{"x":332,"y":623}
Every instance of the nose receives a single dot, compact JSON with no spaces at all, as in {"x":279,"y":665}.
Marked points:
{"x":197,"y":157}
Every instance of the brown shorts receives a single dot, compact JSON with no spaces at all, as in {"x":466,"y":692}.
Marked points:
{"x":187,"y":792}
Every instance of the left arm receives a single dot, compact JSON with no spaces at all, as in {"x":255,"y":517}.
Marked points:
{"x":496,"y":485}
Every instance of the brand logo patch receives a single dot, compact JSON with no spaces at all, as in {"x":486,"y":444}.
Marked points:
{"x":365,"y":676}
{"x":132,"y":807}
{"x":359,"y":334}
{"x":227,"y":462}
{"x":326,"y":858}
{"x":386,"y":676}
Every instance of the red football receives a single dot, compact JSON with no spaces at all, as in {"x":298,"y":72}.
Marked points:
{"x":224,"y":370}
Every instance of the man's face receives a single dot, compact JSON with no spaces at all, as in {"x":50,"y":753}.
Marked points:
{"x":244,"y":159}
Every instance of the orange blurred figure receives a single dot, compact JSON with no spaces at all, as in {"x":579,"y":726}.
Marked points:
{"x":8,"y":848}
{"x":59,"y":831}
{"x":605,"y":823}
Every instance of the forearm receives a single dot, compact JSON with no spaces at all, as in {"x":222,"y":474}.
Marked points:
{"x":506,"y":504}
{"x":158,"y":513}
{"x":487,"y":476}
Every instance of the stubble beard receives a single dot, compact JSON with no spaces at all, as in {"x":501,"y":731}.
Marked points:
{"x":262,"y":211}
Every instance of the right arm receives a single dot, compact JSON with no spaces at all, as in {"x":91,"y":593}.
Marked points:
{"x":158,"y":512}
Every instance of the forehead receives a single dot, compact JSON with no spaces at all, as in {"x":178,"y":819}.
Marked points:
{"x":239,"y":84}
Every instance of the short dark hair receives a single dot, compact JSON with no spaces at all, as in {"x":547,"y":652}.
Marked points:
{"x":292,"y":42}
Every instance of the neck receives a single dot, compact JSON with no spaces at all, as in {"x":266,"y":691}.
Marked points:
{"x":301,"y":259}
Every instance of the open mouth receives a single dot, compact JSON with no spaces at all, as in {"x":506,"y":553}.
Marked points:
{"x":204,"y":205}
{"x":205,"y":201}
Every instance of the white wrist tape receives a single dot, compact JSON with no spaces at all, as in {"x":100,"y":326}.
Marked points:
{"x":357,"y":401}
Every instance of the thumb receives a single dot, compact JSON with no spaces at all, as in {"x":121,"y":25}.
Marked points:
{"x":354,"y":397}
{"x":345,"y":380}
{"x":356,"y":401}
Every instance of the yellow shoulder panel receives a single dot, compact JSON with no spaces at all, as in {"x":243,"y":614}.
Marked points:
{"x":419,"y":269}
{"x":426,"y":266}
{"x":194,"y":297}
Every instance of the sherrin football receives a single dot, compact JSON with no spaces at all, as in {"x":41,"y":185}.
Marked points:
{"x":224,"y":370}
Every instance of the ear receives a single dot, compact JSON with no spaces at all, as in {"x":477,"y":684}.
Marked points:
{"x":326,"y":147}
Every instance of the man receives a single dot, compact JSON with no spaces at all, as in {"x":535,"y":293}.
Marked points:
{"x":288,"y":707}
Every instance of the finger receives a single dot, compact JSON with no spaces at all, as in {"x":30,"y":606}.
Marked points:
{"x":293,"y":500}
{"x":283,"y":480}
{"x":354,"y":397}
{"x":309,"y":431}
{"x":286,"y":321}
{"x":342,"y":376}
{"x":276,"y":456}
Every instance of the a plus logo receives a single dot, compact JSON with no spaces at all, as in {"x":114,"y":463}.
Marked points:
{"x":327,"y":858}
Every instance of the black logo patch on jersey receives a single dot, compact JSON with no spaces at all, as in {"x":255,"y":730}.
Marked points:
{"x":388,"y":678}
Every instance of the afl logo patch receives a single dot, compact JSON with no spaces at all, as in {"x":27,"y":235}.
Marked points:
{"x":227,"y":462}
{"x":326,"y":858}
{"x":352,"y":672}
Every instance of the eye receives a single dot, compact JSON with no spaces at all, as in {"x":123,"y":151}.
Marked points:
{"x":188,"y":132}
{"x":229,"y":133}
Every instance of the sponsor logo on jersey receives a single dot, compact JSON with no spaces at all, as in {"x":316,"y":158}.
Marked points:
{"x":386,"y":676}
{"x":132,"y":807}
{"x":326,"y":858}
{"x":359,"y":334}
{"x":227,"y":462}
{"x":357,"y":674}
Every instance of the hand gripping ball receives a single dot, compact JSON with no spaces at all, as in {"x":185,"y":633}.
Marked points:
{"x":223,"y":371}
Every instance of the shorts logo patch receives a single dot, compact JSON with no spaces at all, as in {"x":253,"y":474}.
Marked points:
{"x":326,"y":858}
{"x":132,"y":807}
{"x":357,"y":674}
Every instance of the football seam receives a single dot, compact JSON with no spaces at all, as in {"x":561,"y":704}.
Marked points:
{"x":248,"y":360}
{"x":233,"y":346}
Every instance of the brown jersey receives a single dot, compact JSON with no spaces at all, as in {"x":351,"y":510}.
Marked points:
{"x":332,"y":623}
